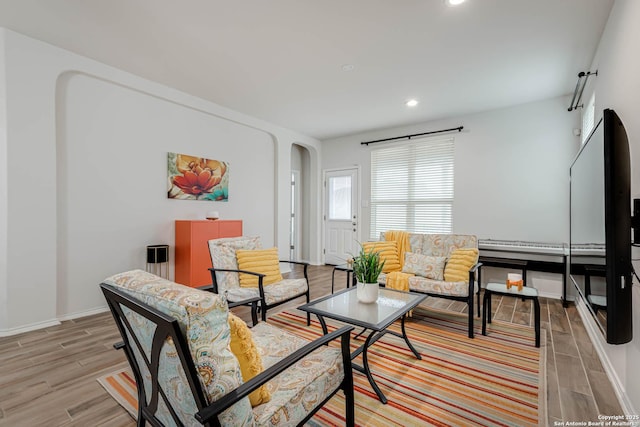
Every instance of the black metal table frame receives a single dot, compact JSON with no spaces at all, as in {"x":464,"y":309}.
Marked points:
{"x":351,"y":280}
{"x":377,"y":332}
{"x":486,"y":310}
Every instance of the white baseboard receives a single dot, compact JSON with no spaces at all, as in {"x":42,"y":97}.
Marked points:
{"x":549,"y":295}
{"x":28,"y":328}
{"x":54,"y":322}
{"x":599,"y":344}
{"x":85,"y":313}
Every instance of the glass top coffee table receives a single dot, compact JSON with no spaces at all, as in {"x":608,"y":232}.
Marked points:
{"x":378,"y":316}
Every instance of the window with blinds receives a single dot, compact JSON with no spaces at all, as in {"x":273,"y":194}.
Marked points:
{"x":588,"y":117}
{"x":412,"y":187}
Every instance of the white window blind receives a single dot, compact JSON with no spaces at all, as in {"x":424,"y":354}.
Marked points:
{"x":588,"y":117}
{"x":412,"y":187}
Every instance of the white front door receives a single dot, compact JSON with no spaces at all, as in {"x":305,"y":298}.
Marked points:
{"x":341,"y":215}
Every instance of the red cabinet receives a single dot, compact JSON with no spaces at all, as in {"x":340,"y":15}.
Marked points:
{"x":192,"y":259}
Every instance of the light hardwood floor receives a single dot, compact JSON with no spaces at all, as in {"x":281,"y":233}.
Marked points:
{"x":48,"y":377}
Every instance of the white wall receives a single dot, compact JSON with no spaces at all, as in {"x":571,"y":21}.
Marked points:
{"x":86,"y":176}
{"x":112,"y":159}
{"x":617,"y":86}
{"x":511,"y":174}
{"x":4,"y":175}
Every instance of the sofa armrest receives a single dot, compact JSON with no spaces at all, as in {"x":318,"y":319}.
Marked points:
{"x":248,"y":301}
{"x":472,"y":276}
{"x":213,"y":410}
{"x":293,"y":262}
{"x":305,"y":264}
{"x":231,"y":270}
{"x":213,"y":270}
{"x":475,"y":267}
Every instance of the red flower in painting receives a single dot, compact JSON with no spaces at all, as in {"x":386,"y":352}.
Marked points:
{"x":197,"y":183}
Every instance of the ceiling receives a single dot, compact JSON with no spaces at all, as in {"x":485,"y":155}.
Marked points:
{"x":282,"y":60}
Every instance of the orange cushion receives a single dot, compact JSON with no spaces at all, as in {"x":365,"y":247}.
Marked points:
{"x":388,"y":253}
{"x":245,"y":350}
{"x":264,"y":261}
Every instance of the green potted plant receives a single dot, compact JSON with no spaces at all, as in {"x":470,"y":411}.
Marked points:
{"x":367,"y":266}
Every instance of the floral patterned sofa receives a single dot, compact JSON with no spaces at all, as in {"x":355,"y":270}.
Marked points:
{"x":177,"y":341}
{"x":442,"y":245}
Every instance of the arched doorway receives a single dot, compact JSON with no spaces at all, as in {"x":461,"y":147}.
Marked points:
{"x":299,"y":224}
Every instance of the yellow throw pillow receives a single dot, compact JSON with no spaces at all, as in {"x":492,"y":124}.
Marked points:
{"x":388,"y":253}
{"x":264,"y":261}
{"x":459,"y":263}
{"x":245,"y":350}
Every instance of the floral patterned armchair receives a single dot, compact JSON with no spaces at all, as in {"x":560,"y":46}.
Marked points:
{"x":177,"y":341}
{"x":226,"y":281}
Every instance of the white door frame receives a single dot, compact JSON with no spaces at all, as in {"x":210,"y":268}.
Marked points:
{"x":296,"y":254}
{"x":325,"y":207}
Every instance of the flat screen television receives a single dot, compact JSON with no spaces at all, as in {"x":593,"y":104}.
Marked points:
{"x":600,"y":227}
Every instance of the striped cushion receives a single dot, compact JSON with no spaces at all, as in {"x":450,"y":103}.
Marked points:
{"x":388,"y":253}
{"x":259,"y":261}
{"x":459,"y":264}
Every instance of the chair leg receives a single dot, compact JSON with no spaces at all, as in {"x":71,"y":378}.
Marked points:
{"x":347,"y":381}
{"x":536,"y":312}
{"x":471,"y":315}
{"x":308,"y":314}
{"x":349,"y":405}
{"x":263,"y":309}
{"x":254,"y":313}
{"x":479,"y":288}
{"x":485,"y":307}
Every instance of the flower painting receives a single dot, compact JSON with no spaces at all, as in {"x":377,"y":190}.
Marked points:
{"x":197,"y":178}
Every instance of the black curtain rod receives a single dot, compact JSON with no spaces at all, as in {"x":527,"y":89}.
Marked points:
{"x":459,"y":129}
{"x":577,"y":92}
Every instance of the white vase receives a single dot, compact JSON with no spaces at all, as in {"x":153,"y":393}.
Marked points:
{"x":367,"y":292}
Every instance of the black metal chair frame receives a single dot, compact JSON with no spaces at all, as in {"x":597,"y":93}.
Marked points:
{"x":264,"y":307}
{"x":168,"y":327}
{"x":468,"y":298}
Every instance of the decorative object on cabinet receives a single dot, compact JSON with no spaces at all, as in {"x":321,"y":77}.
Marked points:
{"x":158,"y":260}
{"x":197,"y":178}
{"x":192,"y":251}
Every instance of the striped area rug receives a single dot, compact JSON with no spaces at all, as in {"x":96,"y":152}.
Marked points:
{"x":493,"y":380}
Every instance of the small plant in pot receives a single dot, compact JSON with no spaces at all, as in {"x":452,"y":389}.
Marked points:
{"x":366,"y":269}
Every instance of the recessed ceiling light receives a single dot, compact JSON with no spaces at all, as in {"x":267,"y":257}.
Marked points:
{"x":411,"y":103}
{"x":348,"y":67}
{"x":453,"y":2}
